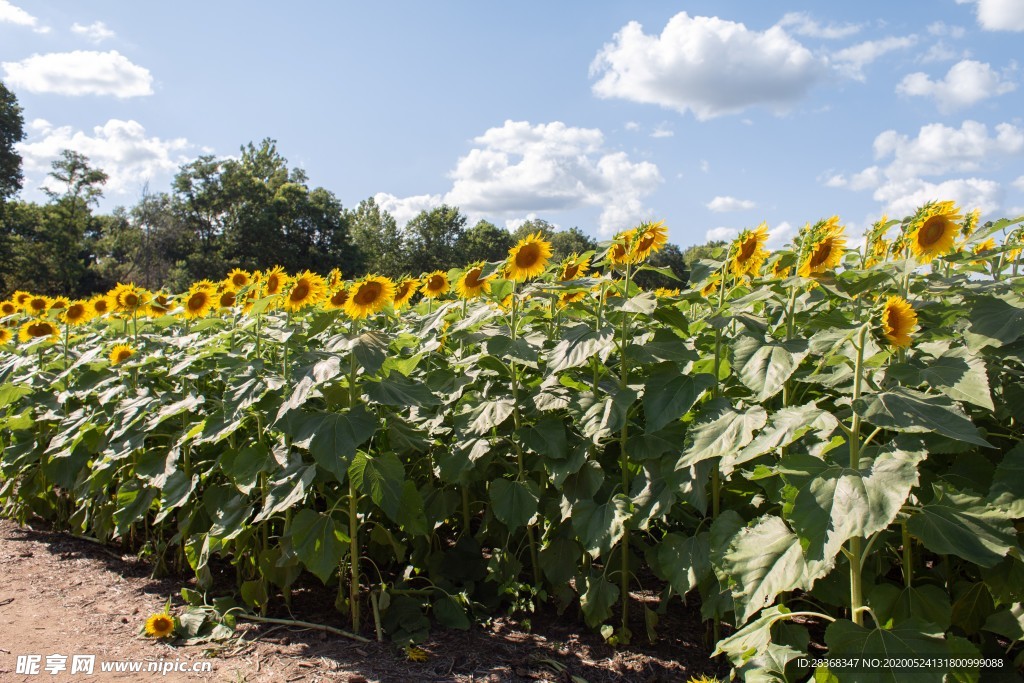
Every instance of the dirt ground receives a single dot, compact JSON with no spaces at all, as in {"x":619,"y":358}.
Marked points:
{"x":66,"y":596}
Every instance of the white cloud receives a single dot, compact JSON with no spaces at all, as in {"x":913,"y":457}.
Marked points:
{"x":721,"y":233}
{"x":1019,"y":183}
{"x":95,"y":32}
{"x":902,"y":198}
{"x":940,"y":52}
{"x":999,"y":15}
{"x":662,"y":131}
{"x":120,"y":148}
{"x":632,"y":125}
{"x":779,"y":235}
{"x":705,"y":166}
{"x":852,"y":60}
{"x":801,"y":24}
{"x":520,"y":168}
{"x":967,"y":82}
{"x":706,"y":65}
{"x":12,"y":14}
{"x":80,"y":73}
{"x":723,"y":204}
{"x":939,"y":28}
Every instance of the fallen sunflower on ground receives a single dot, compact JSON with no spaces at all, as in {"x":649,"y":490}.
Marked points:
{"x":933,"y":230}
{"x":371,"y":294}
{"x":528,"y":258}
{"x":160,"y":625}
{"x":898,"y":320}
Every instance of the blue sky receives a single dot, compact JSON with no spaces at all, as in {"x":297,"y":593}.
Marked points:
{"x":710,"y":115}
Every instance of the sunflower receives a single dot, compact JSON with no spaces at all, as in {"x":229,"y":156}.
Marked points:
{"x":120,"y":353}
{"x":970,"y":223}
{"x":435,"y":284}
{"x":573,"y":267}
{"x":226,"y":298}
{"x":101,"y":304}
{"x":471,"y":285}
{"x":369,"y":295}
{"x":711,"y":286}
{"x":160,"y":625}
{"x":274,"y":281}
{"x":306,"y":289}
{"x":748,"y":252}
{"x":160,"y":304}
{"x":826,"y":248}
{"x":933,"y":230}
{"x":198,"y":301}
{"x":128,"y":298}
{"x":8,"y":308}
{"x":336,"y":301}
{"x":20,"y":298}
{"x":879,"y":250}
{"x":529,"y":257}
{"x":665,"y":291}
{"x":648,"y":238}
{"x":571,"y":297}
{"x":5,"y":335}
{"x":35,"y":329}
{"x":779,"y":267}
{"x":619,"y":252}
{"x":37,"y":305}
{"x":76,"y":313}
{"x":238,"y":278}
{"x":334,"y":278}
{"x":898,"y":319}
{"x":405,"y":291}
{"x":59,"y":303}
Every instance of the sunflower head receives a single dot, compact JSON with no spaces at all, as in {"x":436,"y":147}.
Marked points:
{"x":305,"y":289}
{"x":226,"y":298}
{"x":120,"y":353}
{"x":367,"y":296}
{"x":822,"y":247}
{"x":77,"y":313}
{"x":5,"y":335}
{"x":274,"y":281}
{"x":336,"y":299}
{"x":160,"y":625}
{"x":747,"y":252}
{"x":8,"y":308}
{"x":59,"y":303}
{"x":711,"y":285}
{"x":238,"y":278}
{"x":160,"y":304}
{"x":334,"y":279}
{"x":571,"y":297}
{"x":37,"y":305}
{"x":970,"y":223}
{"x":528,"y":258}
{"x":898,"y":321}
{"x":435,"y":284}
{"x":574,"y":266}
{"x":405,"y":290}
{"x":21,"y":298}
{"x":662,"y":292}
{"x":933,"y":230}
{"x":128,"y":298}
{"x":620,"y":253}
{"x":471,"y":283}
{"x":648,"y":238}
{"x":101,"y":304}
{"x":198,"y":301}
{"x":36,"y":329}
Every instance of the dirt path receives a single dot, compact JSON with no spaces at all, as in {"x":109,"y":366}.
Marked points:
{"x":60,"y":595}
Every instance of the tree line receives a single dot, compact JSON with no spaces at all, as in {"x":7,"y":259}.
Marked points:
{"x":252,"y":212}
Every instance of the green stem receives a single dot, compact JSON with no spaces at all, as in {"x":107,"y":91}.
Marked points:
{"x":908,"y":566}
{"x":624,"y":460}
{"x":302,"y":624}
{"x":353,"y":501}
{"x":855,"y":549}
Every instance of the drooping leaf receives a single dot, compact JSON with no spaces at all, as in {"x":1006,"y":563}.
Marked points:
{"x":598,"y":598}
{"x":514,"y":502}
{"x":763,"y":366}
{"x":785,"y":426}
{"x":722,"y":429}
{"x":400,"y":391}
{"x":382,"y":477}
{"x":683,"y":561}
{"x":669,"y":394}
{"x":994,"y":322}
{"x":963,"y":525}
{"x":600,"y":526}
{"x":579,"y":345}
{"x":318,"y":542}
{"x":906,"y":410}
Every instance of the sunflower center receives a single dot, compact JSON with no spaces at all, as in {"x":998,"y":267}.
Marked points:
{"x":75,"y":311}
{"x":340,"y":297}
{"x":196,"y":301}
{"x":528,"y":255}
{"x":932,"y":231}
{"x":227,"y":299}
{"x":273,"y":284}
{"x":40,"y":329}
{"x":300,"y":291}
{"x":368,"y":294}
{"x":403,"y":289}
{"x":570,"y":271}
{"x":473,"y":278}
{"x":131,"y":300}
{"x":101,"y":306}
{"x":239,"y":280}
{"x":38,"y":304}
{"x":821,"y":253}
{"x":747,"y":248}
{"x":436,"y":282}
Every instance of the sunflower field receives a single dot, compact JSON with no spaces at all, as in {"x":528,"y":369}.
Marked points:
{"x":818,"y":447}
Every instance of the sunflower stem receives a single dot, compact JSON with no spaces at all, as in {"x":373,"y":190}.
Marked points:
{"x":353,"y":501}
{"x":908,"y":565}
{"x":855,"y":549}
{"x":624,"y":462}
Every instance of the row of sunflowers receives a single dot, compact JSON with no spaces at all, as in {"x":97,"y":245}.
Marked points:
{"x":822,"y":443}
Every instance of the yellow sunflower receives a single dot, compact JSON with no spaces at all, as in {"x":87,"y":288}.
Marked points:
{"x":128,"y":298}
{"x":101,"y":304}
{"x":198,"y":301}
{"x":59,"y":303}
{"x":20,"y":298}
{"x":470,"y":284}
{"x":619,"y":253}
{"x":826,"y":248}
{"x":35,"y":329}
{"x":648,"y":238}
{"x":898,"y":320}
{"x":274,"y":281}
{"x":879,"y":250}
{"x":711,"y":286}
{"x":990,"y":243}
{"x":336,"y":301}
{"x":435,"y":284}
{"x":661,"y":292}
{"x":8,"y":308}
{"x":160,"y":625}
{"x":305,"y":289}
{"x":573,"y":267}
{"x":933,"y":230}
{"x":571,"y":297}
{"x":970,"y":223}
{"x":37,"y":305}
{"x":120,"y":353}
{"x":238,"y":278}
{"x":405,"y":290}
{"x":371,"y":294}
{"x":160,"y":305}
{"x":529,"y":257}
{"x":77,"y":313}
{"x":334,"y":279}
{"x":226,"y":298}
{"x":748,"y":252}
{"x":5,"y":335}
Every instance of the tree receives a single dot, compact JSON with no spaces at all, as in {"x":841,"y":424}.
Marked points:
{"x":483,"y":242}
{"x":12,"y":131}
{"x":573,"y":240}
{"x":378,"y":241}
{"x":670,"y":257}
{"x":432,"y":237}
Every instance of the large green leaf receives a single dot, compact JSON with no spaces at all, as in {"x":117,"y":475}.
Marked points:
{"x":489,"y":414}
{"x":722,"y":430}
{"x":288,"y":490}
{"x":336,"y":436}
{"x":318,"y":542}
{"x":669,"y":394}
{"x":784,"y":427}
{"x":910,"y":639}
{"x":753,"y":639}
{"x":579,"y":345}
{"x":960,"y":376}
{"x":600,"y":526}
{"x":906,"y":410}
{"x":994,"y":322}
{"x":763,"y":366}
{"x":835,"y":503}
{"x":382,"y":477}
{"x":900,"y":603}
{"x":683,"y":561}
{"x":514,"y":502}
{"x":1007,"y":489}
{"x":963,"y":525}
{"x":1008,"y":622}
{"x":400,"y":391}
{"x":598,"y":598}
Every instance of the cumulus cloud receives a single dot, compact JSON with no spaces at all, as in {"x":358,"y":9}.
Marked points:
{"x":80,"y":72}
{"x":520,"y":168}
{"x":940,"y":52}
{"x":12,"y":14}
{"x":95,"y":32}
{"x":999,"y":15}
{"x":937,"y":150}
{"x":723,"y":233}
{"x":706,"y":65}
{"x":779,"y":235}
{"x":940,"y":28}
{"x":723,"y":204}
{"x":121,"y":148}
{"x":1019,"y":183}
{"x":851,"y":60}
{"x":801,"y":24}
{"x":662,"y":131}
{"x":967,"y":82}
